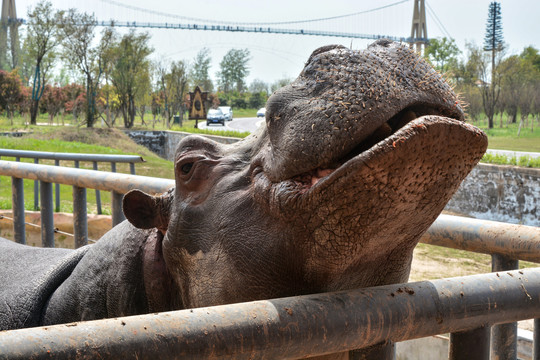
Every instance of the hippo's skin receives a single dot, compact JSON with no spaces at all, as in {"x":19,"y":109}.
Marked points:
{"x":358,"y":157}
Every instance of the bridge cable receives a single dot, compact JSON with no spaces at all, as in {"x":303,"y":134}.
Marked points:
{"x":154,"y":12}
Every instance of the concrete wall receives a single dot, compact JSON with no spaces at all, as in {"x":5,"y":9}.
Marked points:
{"x":501,"y":193}
{"x":491,"y":192}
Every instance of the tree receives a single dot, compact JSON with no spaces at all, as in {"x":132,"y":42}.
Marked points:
{"x":442,"y":53}
{"x":75,"y":99}
{"x":41,"y":40}
{"x":54,"y":100}
{"x":278,"y":84}
{"x":78,"y":35}
{"x":258,"y":86}
{"x":493,"y":42}
{"x":487,"y":79}
{"x":257,"y":100}
{"x":234,"y":70}
{"x":11,"y":91}
{"x":199,"y":73}
{"x":131,"y":72}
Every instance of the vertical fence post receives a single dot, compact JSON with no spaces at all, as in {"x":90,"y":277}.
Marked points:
{"x":472,"y":344}
{"x":113,"y":167}
{"x":17,"y":192}
{"x":47,"y":215}
{"x":536,"y":349}
{"x":80,"y":221}
{"x":57,"y":191}
{"x":36,"y":190}
{"x":132,"y":168}
{"x":504,"y":336}
{"x":98,"y":194}
{"x":117,"y":213}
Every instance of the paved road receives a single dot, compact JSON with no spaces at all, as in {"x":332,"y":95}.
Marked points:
{"x":240,"y":124}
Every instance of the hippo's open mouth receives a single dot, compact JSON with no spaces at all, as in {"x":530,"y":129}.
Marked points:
{"x":387,"y":134}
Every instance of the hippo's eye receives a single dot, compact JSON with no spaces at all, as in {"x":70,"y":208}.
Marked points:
{"x":186,"y":168}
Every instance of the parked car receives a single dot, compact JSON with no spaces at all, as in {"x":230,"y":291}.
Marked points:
{"x":227,"y":111}
{"x":215,"y":116}
{"x":261,"y":112}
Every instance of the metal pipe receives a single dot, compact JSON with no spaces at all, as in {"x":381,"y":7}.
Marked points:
{"x":117,"y":213}
{"x":101,"y":180}
{"x":484,"y":236}
{"x":536,"y":343}
{"x":17,"y":193}
{"x":472,"y":344}
{"x":80,"y":219}
{"x":132,"y":168}
{"x":504,"y":336}
{"x":295,"y":327}
{"x":57,"y":191}
{"x":98,"y":194}
{"x":47,"y":215}
{"x":71,"y":156}
{"x":113,"y":167}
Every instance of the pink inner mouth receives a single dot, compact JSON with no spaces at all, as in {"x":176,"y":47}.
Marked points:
{"x":309,"y":179}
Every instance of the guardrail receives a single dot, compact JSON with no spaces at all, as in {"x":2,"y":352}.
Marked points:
{"x":502,"y":302}
{"x":76,"y":158}
{"x":80,"y":179}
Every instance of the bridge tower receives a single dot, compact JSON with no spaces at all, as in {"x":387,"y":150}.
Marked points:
{"x":9,"y":21}
{"x":419,"y":27}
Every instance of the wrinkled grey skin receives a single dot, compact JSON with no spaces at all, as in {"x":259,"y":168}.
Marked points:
{"x":358,"y":157}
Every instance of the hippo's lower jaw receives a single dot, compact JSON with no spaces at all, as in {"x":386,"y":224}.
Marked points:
{"x":393,"y":190}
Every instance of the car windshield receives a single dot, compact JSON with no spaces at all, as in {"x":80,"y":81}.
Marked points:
{"x":214,"y":112}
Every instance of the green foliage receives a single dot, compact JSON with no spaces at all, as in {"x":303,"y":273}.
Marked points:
{"x":442,"y":53}
{"x":493,"y":41}
{"x":200,"y":71}
{"x":234,"y":70}
{"x":523,"y":161}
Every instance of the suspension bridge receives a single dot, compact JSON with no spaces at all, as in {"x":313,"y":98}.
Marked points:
{"x":418,"y":35}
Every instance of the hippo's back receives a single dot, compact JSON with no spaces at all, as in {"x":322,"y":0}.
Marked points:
{"x":28,"y":276}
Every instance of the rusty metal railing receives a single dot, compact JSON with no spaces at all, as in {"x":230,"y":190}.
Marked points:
{"x":295,"y":327}
{"x":80,"y":179}
{"x":506,"y":243}
{"x":76,"y":158}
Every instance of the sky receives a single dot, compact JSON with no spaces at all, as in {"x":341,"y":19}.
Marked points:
{"x":276,"y":56}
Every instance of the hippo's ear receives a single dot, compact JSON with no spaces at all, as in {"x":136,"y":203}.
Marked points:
{"x":145,"y":211}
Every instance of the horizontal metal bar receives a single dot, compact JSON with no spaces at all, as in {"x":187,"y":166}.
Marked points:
{"x":71,"y":156}
{"x":293,"y":327}
{"x":518,"y":242}
{"x":101,"y":180}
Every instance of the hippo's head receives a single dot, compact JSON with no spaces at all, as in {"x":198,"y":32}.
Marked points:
{"x":358,"y":157}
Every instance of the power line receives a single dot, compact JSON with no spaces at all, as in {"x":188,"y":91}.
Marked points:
{"x":180,"y":17}
{"x":438,"y":22}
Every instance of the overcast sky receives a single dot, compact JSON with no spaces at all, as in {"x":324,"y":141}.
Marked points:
{"x":275,"y":56}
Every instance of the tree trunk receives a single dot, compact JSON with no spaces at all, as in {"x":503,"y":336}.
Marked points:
{"x":34,"y":107}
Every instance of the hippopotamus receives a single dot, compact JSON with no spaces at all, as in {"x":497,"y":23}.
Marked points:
{"x":357,"y":158}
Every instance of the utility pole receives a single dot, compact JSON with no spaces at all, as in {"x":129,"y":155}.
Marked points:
{"x":9,"y":20}
{"x":419,"y":28}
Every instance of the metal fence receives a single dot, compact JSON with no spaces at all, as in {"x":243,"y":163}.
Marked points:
{"x":80,"y":179}
{"x":467,"y":307}
{"x":77,"y":159}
